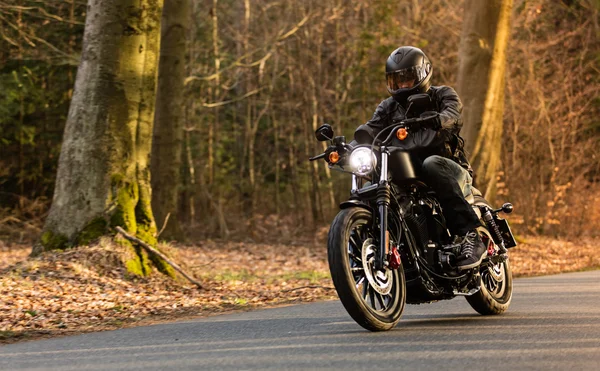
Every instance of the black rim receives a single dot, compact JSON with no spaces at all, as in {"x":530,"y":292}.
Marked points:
{"x":376,"y":288}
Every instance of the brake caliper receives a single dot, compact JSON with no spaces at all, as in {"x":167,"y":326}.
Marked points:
{"x":394,"y":258}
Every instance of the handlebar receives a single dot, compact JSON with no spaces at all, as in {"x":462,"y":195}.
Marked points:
{"x":408,"y":123}
{"x":412,"y":123}
{"x":317,"y":157}
{"x":341,"y":149}
{"x":389,"y":137}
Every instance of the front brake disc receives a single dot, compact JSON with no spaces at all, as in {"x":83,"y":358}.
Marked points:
{"x":380,"y":280}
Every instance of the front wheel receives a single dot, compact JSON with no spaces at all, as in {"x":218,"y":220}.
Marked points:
{"x":374,"y":298}
{"x":496,"y":284}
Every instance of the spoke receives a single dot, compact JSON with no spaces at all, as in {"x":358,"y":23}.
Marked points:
{"x":362,"y":233}
{"x":358,"y":275}
{"x":355,"y":258}
{"x":388,"y":299}
{"x":372,"y":296}
{"x":381,"y":301}
{"x":360,"y":281}
{"x":366,"y":291}
{"x":357,"y":245}
{"x":358,"y":269}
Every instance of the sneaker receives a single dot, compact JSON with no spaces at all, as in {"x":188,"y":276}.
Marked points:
{"x":472,"y":251}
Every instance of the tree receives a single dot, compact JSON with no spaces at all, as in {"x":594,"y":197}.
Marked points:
{"x":481,"y":81}
{"x":103,"y":175}
{"x":167,"y":141}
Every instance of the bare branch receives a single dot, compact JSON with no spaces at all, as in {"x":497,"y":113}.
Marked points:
{"x":161,"y":255}
{"x":295,"y":29}
{"x":219,"y":104}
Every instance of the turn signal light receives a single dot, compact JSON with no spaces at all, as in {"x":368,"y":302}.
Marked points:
{"x":334,"y":157}
{"x":402,"y":133}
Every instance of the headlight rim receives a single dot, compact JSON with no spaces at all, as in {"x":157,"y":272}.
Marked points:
{"x":364,"y":167}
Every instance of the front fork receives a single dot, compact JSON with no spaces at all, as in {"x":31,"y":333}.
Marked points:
{"x":383,"y":203}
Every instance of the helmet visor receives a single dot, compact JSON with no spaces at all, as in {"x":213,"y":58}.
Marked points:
{"x":405,"y":78}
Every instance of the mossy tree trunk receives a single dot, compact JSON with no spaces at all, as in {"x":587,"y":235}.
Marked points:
{"x":103,"y":175}
{"x":481,"y":83}
{"x":167,"y":143}
{"x":475,"y":56}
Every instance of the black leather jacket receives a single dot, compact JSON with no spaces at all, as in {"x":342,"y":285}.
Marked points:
{"x":448,"y":105}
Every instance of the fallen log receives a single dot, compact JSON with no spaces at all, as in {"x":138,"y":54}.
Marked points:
{"x":161,"y":255}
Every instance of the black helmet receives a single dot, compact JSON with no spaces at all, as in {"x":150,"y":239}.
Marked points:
{"x":407,"y":71}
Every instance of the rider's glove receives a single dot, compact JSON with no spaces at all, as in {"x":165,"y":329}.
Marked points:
{"x":412,"y":123}
{"x":431,"y":120}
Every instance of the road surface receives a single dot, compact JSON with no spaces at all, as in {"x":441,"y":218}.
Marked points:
{"x":553,"y":323}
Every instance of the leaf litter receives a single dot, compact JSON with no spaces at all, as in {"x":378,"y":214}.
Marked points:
{"x":87,"y":289}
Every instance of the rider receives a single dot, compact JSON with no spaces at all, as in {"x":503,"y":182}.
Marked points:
{"x":445,"y":169}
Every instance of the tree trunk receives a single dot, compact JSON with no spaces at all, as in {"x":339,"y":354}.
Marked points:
{"x":489,"y":141}
{"x":103,"y":172}
{"x":167,"y":142}
{"x":481,"y":82}
{"x":475,"y":55}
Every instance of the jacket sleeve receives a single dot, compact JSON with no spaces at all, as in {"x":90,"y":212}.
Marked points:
{"x":367,"y":132}
{"x":450,"y":108}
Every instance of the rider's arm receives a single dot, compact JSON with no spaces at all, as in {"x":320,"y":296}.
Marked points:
{"x":450,"y":109}
{"x":367,"y":132}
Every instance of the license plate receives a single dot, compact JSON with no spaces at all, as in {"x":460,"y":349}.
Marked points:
{"x":507,"y":236}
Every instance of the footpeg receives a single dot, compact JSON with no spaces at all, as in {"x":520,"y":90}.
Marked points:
{"x":500,"y":258}
{"x":469,"y":293}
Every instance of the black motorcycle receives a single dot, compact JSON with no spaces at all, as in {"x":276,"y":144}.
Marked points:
{"x":389,"y":244}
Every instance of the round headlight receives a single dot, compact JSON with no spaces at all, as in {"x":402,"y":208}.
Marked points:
{"x":363,"y":161}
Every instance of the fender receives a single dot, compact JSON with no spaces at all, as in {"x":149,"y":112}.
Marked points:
{"x":355,"y":203}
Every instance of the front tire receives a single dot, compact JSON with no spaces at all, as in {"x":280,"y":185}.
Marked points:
{"x":375,"y":299}
{"x":496,"y":284}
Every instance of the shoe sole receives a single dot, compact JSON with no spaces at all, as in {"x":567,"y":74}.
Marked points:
{"x":472,"y":265}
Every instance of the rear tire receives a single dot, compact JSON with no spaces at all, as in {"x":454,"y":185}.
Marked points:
{"x":374,"y":299}
{"x":496,"y":284}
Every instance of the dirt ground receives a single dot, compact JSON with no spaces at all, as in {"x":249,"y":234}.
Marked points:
{"x":86,"y":289}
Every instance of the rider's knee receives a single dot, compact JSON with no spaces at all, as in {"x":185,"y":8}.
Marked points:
{"x":433,"y":163}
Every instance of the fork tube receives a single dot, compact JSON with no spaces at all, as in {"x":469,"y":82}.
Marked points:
{"x":384,"y":165}
{"x":354,"y":183}
{"x":383,"y":202}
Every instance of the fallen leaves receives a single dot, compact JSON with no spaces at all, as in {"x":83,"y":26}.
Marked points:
{"x":87,"y":289}
{"x":544,"y":255}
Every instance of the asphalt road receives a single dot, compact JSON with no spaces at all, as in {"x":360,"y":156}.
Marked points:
{"x":553,"y":323}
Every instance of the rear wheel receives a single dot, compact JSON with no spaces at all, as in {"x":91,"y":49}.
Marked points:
{"x":496,"y":283}
{"x":374,"y":298}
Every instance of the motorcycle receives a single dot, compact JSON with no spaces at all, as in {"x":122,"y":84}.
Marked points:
{"x":389,"y":244}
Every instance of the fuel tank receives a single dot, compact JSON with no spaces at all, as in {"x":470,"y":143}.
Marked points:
{"x":404,"y":167}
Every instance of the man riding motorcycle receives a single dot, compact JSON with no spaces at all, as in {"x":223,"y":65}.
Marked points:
{"x":444,"y":166}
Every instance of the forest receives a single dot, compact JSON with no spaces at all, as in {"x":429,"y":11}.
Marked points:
{"x":229,"y":93}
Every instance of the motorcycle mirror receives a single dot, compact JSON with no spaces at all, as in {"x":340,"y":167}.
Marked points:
{"x":507,"y":208}
{"x":324,"y":132}
{"x":419,"y":103}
